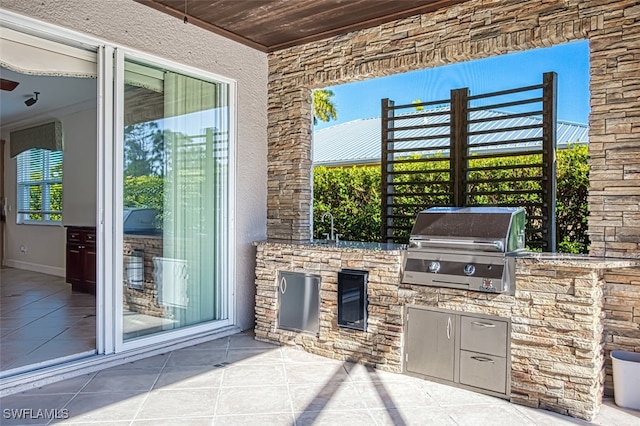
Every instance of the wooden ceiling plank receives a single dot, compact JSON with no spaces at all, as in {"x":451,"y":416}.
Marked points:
{"x":204,"y":25}
{"x":438,"y":4}
{"x":319,"y":20}
{"x":269,"y":25}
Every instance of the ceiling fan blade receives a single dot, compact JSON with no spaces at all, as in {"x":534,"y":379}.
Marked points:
{"x":8,"y":84}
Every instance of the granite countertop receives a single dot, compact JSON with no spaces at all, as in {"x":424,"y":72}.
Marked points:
{"x":341,"y":245}
{"x":552,"y":259}
{"x":576,"y":260}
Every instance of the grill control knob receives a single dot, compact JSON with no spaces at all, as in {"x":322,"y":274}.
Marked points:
{"x":469,"y":269}
{"x":434,"y":267}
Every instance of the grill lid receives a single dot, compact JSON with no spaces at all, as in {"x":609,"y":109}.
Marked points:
{"x":472,"y":228}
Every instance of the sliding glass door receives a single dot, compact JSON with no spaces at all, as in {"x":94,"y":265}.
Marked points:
{"x":175,"y":200}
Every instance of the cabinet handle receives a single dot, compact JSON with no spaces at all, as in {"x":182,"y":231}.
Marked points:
{"x":483,"y":324}
{"x":449,"y":328}
{"x":483,"y":359}
{"x":283,"y":285}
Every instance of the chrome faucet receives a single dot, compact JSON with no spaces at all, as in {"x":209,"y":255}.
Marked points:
{"x":332,"y":236}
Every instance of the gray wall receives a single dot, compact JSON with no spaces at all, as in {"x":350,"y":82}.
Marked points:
{"x":134,"y":25}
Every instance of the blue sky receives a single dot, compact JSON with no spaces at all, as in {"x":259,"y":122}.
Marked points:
{"x":570,"y":61}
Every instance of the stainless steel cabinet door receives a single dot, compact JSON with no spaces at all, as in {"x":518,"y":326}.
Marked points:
{"x":299,"y":302}
{"x":430,"y":344}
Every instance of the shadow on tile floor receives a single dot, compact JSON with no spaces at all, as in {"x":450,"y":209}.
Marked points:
{"x":240,"y":381}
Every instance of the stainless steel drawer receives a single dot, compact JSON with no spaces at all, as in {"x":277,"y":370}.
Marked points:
{"x":484,"y":335}
{"x":483,"y":371}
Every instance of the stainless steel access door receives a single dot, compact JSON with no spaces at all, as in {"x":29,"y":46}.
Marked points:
{"x":299,"y":302}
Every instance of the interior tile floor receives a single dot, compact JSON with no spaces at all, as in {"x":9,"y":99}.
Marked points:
{"x":42,"y":319}
{"x":240,"y":381}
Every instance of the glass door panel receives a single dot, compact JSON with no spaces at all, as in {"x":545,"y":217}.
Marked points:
{"x":175,"y":201}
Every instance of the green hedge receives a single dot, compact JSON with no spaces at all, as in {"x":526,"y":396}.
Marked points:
{"x":352,"y":195}
{"x":144,"y":191}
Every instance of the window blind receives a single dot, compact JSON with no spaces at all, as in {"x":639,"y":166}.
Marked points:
{"x":39,"y":177}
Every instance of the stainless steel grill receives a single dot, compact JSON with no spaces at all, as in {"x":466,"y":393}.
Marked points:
{"x":468,"y":248}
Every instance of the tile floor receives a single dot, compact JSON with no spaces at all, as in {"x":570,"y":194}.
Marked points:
{"x":240,"y":381}
{"x":42,"y":319}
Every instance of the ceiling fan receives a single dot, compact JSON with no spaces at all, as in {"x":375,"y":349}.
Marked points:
{"x":8,"y":85}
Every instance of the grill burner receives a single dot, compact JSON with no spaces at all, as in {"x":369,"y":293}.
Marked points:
{"x":467,"y":248}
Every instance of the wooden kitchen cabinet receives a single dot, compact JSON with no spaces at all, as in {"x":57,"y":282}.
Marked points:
{"x":81,"y":259}
{"x":463,"y":349}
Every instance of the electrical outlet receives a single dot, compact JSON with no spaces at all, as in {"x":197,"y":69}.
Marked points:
{"x":23,"y":249}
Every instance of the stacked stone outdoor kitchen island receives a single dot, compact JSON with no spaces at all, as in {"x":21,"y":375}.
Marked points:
{"x":556,"y":339}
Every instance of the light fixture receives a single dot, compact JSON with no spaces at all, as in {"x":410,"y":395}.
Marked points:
{"x":29,"y":102}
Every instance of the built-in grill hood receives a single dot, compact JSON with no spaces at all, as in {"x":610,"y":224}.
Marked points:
{"x":496,"y":229}
{"x":466,"y":248}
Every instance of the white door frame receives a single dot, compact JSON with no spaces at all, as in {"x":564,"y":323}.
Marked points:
{"x":117,"y":254}
{"x":110,"y":134}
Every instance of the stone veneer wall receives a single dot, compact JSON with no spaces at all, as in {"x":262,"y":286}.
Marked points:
{"x":622,"y":316}
{"x":145,"y":300}
{"x":379,"y":346}
{"x":556,"y":338}
{"x":556,"y":349}
{"x":472,"y":30}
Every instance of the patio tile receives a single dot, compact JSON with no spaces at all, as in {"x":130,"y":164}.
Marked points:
{"x":280,"y":419}
{"x":499,"y":415}
{"x":254,"y":356}
{"x":115,"y":406}
{"x":611,"y":414}
{"x":247,"y":341}
{"x":293,"y":355}
{"x":412,"y":416}
{"x":332,"y":396}
{"x":548,"y":418}
{"x":25,"y":409}
{"x":174,"y":403}
{"x":394,"y":395}
{"x":218,"y":344}
{"x":315,"y":373}
{"x":253,"y":400}
{"x":194,"y":358}
{"x":250,"y":375}
{"x":156,"y":362}
{"x":122,"y":380}
{"x":362,"y":373}
{"x":450,"y":396}
{"x":333,"y":418}
{"x":187,"y":421}
{"x":189,"y":377}
{"x":98,"y":423}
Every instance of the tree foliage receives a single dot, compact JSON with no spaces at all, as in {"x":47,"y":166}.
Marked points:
{"x":144,"y":191}
{"x":572,"y":193}
{"x":143,"y":149}
{"x":358,"y":215}
{"x":323,"y":107}
{"x":352,"y":195}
